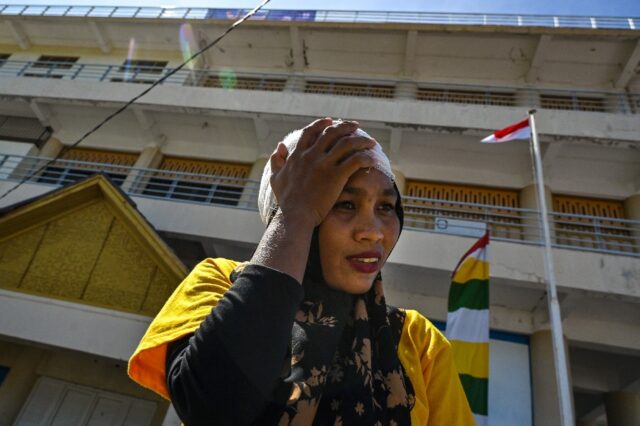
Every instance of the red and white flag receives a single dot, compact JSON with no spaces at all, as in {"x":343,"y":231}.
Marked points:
{"x":520,"y":130}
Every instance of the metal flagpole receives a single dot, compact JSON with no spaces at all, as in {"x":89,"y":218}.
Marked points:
{"x":559,"y":355}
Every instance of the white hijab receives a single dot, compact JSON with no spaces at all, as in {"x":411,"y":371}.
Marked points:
{"x":267,"y":203}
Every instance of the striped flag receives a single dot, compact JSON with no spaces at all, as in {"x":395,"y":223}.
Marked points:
{"x":521,"y":130}
{"x":468,"y":326}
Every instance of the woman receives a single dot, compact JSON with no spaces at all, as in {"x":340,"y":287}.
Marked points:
{"x":301,"y":334}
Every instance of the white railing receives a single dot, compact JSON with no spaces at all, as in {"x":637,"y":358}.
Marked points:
{"x":578,"y":232}
{"x":501,"y":96}
{"x":352,"y":16}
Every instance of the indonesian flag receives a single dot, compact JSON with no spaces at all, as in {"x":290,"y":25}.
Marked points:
{"x":521,"y":130}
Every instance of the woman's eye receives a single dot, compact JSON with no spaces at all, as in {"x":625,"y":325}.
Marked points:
{"x":345,"y":205}
{"x":387,"y":207}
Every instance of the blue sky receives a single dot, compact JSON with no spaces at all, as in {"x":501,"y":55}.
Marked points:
{"x":625,"y":8}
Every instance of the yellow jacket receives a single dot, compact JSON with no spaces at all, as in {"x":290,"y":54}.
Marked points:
{"x":423,"y":351}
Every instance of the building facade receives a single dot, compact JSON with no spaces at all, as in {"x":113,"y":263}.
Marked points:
{"x":427,"y":86}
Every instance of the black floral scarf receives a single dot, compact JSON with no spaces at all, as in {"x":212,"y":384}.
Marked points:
{"x":343,"y":367}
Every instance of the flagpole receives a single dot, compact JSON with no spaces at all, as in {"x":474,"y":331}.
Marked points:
{"x":559,"y":355}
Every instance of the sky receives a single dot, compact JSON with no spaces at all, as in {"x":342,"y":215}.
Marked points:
{"x":624,"y":8}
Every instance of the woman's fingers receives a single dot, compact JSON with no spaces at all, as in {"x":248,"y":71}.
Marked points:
{"x":358,"y":160}
{"x":311,"y":133}
{"x":331,"y":135}
{"x":278,"y":158}
{"x":347,"y":146}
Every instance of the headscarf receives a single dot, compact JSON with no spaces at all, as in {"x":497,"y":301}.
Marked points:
{"x":267,"y":203}
{"x":343,"y":366}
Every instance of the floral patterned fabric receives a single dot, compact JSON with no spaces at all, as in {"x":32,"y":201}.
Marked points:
{"x":343,"y":367}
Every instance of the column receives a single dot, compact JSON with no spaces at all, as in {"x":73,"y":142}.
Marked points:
{"x":149,"y":158}
{"x":406,"y":90}
{"x":49,"y":150}
{"x":531,"y":226}
{"x":546,"y":408}
{"x":617,"y":103}
{"x":632,"y":212}
{"x":622,"y":408}
{"x":527,"y":98}
{"x":295,"y":83}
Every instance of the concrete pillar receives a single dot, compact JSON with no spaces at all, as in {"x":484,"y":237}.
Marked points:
{"x":617,"y":103}
{"x":50,"y":149}
{"x":622,"y":408}
{"x":249,"y":197}
{"x":531,"y":226}
{"x":18,"y":384}
{"x":406,"y":90}
{"x":295,"y":83}
{"x":527,"y":98}
{"x":632,"y":212}
{"x":149,"y":158}
{"x":546,"y":409}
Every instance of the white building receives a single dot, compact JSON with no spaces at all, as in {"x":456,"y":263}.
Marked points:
{"x":428,"y":86}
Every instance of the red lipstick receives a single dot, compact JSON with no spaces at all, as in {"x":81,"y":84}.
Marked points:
{"x":365,"y":262}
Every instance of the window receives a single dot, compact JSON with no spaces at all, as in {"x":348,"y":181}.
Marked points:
{"x":350,"y":89}
{"x":593,"y":223}
{"x":426,"y":202}
{"x":201,"y":181}
{"x":51,"y":66}
{"x":581,"y":103}
{"x":466,"y":96}
{"x":140,"y":71}
{"x":244,"y":83}
{"x":57,"y":62}
{"x":80,"y":163}
{"x":143,"y":66}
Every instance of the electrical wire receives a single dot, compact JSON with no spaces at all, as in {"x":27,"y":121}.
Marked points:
{"x":135,"y":98}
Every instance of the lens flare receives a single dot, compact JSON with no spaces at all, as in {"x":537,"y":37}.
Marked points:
{"x":188,"y":44}
{"x":228,"y":78}
{"x":131,"y":53}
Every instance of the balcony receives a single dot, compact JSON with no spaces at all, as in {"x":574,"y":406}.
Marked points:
{"x":351,"y":16}
{"x":494,"y":96}
{"x":605,"y":235}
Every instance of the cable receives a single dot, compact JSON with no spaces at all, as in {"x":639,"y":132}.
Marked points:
{"x":135,"y":98}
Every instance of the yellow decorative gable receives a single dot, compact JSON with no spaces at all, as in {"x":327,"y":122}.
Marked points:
{"x":87,"y":243}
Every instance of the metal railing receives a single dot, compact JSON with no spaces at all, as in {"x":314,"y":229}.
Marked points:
{"x":578,"y":232}
{"x":575,"y":100}
{"x":154,"y":183}
{"x":351,"y":16}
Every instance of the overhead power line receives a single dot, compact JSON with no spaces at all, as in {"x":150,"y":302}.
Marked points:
{"x":135,"y":98}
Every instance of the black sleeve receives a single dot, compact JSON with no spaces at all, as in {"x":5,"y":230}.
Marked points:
{"x":226,"y":372}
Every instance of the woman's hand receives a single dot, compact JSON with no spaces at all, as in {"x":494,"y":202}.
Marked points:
{"x":307,"y":184}
{"x":308,"y":181}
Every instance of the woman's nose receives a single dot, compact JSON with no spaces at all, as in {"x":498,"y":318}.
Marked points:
{"x":368,"y":228}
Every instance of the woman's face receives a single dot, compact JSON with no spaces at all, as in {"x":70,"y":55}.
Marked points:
{"x":359,"y":232}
